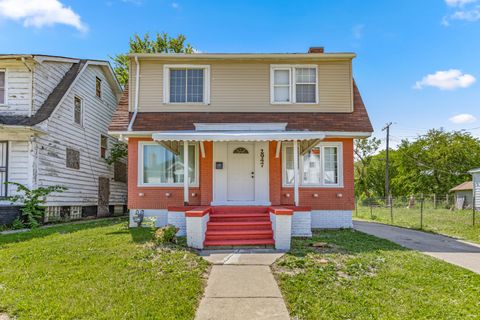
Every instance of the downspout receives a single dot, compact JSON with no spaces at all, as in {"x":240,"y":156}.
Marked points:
{"x":137,"y":85}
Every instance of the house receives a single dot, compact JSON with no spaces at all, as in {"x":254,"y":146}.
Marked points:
{"x":54,"y":117}
{"x":463,"y":195}
{"x":476,"y":186}
{"x":267,"y":140}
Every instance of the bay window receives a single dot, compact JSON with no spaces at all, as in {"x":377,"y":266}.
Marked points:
{"x":294,"y":84}
{"x":160,"y":166}
{"x":320,"y":166}
{"x":188,"y":84}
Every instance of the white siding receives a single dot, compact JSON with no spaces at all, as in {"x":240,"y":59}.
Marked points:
{"x":82,"y":184}
{"x":47,"y":75}
{"x":19,"y":168}
{"x":18,"y":88}
{"x":476,"y":187}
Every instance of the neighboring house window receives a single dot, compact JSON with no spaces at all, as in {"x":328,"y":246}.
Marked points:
{"x":3,"y":168}
{"x":73,"y":159}
{"x":2,"y":87}
{"x":120,"y":171}
{"x":98,"y":87}
{"x":186,"y":84}
{"x":161,"y":166}
{"x":77,"y":110}
{"x":103,"y":146}
{"x":294,"y":84}
{"x":320,"y":166}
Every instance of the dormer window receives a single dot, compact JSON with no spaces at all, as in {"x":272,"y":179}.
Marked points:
{"x":188,"y":84}
{"x":2,"y":87}
{"x":293,"y":84}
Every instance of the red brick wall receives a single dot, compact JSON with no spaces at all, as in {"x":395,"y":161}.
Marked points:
{"x":328,"y":198}
{"x":155,"y":197}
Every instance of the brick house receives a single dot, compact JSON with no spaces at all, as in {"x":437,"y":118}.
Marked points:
{"x":267,"y":140}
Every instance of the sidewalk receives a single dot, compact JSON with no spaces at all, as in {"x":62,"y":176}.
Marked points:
{"x":241,"y":286}
{"x":458,"y":252}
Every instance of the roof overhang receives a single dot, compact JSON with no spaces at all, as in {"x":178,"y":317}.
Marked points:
{"x":245,"y":56}
{"x":477,"y":170}
{"x":236,"y":135}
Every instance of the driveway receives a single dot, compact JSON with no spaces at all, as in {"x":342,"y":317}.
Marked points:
{"x":460,"y":253}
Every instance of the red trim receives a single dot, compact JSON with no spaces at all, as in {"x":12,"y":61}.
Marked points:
{"x":198,"y":212}
{"x":280,"y":211}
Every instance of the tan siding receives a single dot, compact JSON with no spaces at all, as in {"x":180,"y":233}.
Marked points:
{"x":244,"y":86}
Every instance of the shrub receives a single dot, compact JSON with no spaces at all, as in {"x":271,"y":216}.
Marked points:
{"x":18,"y":224}
{"x":166,"y":234}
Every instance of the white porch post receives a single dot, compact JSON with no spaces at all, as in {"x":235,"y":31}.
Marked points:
{"x":295,"y":171}
{"x":185,"y":172}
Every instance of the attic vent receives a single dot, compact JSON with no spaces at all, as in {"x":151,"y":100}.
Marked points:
{"x":315,"y":50}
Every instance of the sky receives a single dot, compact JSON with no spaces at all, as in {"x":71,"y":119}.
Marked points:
{"x":417,"y":61}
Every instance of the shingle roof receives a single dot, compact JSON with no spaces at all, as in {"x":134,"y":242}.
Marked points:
{"x":468,"y":185}
{"x":49,"y":105}
{"x":356,"y":121}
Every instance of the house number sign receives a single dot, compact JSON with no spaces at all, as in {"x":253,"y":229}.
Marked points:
{"x":262,"y":158}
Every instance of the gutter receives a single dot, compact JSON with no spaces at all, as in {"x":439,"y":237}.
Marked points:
{"x":137,"y":85}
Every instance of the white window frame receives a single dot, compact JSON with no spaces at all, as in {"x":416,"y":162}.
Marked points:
{"x":81,"y":110}
{"x":140,"y":182}
{"x":322,"y":184}
{"x":292,"y":68}
{"x":5,"y":102}
{"x":206,"y":82}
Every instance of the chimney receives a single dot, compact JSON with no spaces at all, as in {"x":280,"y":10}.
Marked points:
{"x":315,"y":50}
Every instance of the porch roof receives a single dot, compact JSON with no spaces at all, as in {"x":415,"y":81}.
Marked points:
{"x":238,"y":135}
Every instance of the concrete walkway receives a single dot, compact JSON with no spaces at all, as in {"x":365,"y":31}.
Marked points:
{"x":241,"y":286}
{"x":458,"y":252}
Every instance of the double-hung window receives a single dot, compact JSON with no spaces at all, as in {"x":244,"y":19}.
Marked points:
{"x":320,"y":166}
{"x":188,"y":84}
{"x":294,"y":84}
{"x":3,"y":90}
{"x":77,"y":110}
{"x":161,"y":166}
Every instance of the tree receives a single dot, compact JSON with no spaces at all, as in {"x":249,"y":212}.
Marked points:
{"x":364,"y":149}
{"x":162,"y":43}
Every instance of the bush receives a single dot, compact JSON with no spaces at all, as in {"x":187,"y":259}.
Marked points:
{"x":166,"y":234}
{"x":18,"y":224}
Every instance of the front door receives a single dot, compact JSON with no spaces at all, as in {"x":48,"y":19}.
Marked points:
{"x":241,"y":172}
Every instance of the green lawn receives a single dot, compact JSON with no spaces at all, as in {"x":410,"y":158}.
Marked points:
{"x":452,"y":223}
{"x":356,"y":276}
{"x":97,"y":270}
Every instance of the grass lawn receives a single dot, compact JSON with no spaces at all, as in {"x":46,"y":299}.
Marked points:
{"x":97,"y":270}
{"x":356,"y":276}
{"x":451,"y":223}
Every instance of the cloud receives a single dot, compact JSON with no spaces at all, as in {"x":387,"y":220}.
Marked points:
{"x":175,"y":5}
{"x":463,"y":118}
{"x":459,"y":3}
{"x":37,"y":14}
{"x":358,"y":31}
{"x":446,"y":80}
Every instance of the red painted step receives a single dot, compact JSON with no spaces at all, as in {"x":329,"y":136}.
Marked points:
{"x":239,"y":217}
{"x":243,"y":242}
{"x":240,"y":225}
{"x":239,"y":209}
{"x":239,"y":234}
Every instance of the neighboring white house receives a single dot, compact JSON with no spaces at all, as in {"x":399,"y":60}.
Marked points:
{"x":476,"y":186}
{"x":54,"y":116}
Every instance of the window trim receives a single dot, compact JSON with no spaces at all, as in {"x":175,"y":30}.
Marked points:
{"x":7,"y":167}
{"x":206,"y":82}
{"x":322,"y":145}
{"x":140,"y":155}
{"x":293,"y":82}
{"x":5,"y":102}
{"x":81,"y":110}
{"x":106,"y":148}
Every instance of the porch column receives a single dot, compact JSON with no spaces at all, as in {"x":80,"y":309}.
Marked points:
{"x":295,"y":171}
{"x":185,"y":172}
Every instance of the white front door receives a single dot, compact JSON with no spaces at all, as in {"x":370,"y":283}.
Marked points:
{"x":241,"y":171}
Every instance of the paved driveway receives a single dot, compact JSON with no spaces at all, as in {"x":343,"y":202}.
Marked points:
{"x":460,"y":253}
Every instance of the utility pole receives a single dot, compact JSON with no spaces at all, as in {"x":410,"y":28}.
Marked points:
{"x":387,"y":178}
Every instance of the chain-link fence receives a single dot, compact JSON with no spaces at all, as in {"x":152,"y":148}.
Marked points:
{"x":443,"y":214}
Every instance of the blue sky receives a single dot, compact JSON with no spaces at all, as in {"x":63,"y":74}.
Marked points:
{"x":398,"y":43}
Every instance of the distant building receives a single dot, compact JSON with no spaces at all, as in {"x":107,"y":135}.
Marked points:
{"x":476,"y":186}
{"x":463,"y":195}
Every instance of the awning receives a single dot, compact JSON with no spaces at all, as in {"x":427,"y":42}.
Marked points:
{"x":238,"y":135}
